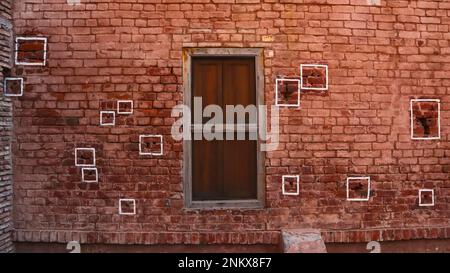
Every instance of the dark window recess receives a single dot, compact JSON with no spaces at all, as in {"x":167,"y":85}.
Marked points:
{"x":224,"y":169}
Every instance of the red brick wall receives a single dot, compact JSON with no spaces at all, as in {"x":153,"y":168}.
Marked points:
{"x":5,"y":130}
{"x":379,"y":58}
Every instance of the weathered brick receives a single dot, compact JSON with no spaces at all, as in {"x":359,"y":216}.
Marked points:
{"x":6,"y":122}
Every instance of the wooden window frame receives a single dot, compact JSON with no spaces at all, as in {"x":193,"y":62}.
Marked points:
{"x":188,"y":54}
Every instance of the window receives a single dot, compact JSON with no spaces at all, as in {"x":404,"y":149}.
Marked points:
{"x":223,"y":172}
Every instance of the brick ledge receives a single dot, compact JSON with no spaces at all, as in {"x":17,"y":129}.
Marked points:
{"x":214,"y":237}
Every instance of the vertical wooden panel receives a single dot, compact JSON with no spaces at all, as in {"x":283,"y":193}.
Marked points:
{"x":207,"y":81}
{"x":239,"y":82}
{"x":239,"y":163}
{"x":206,"y":170}
{"x":207,"y":155}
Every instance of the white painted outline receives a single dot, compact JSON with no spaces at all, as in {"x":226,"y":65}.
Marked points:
{"x":283,"y":179}
{"x":420,"y":197}
{"x":127,"y":213}
{"x":107,"y":112}
{"x":141,"y":137}
{"x":124,"y":101}
{"x":84,"y":149}
{"x":276,"y":93}
{"x":31,"y":39}
{"x":314,"y":88}
{"x":412,"y":117}
{"x":368,"y":188}
{"x":13,"y":79}
{"x":89,"y":169}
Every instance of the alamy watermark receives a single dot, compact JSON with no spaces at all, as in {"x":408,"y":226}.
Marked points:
{"x":239,"y":123}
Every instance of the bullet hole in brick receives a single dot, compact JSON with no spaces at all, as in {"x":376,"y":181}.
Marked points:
{"x":290,"y":185}
{"x":90,"y":175}
{"x":420,"y":42}
{"x":85,"y":157}
{"x":314,"y":77}
{"x":125,"y":107}
{"x":425,"y":116}
{"x":151,"y":145}
{"x":127,"y":206}
{"x":289,"y":88}
{"x":107,"y":118}
{"x":288,"y":92}
{"x":424,"y":122}
{"x":13,"y":87}
{"x":426,"y":197}
{"x":31,"y":51}
{"x":358,"y":189}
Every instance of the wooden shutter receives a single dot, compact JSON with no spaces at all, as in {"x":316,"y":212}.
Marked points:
{"x":224,"y":169}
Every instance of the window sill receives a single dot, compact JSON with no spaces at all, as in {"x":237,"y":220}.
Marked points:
{"x":226,"y":204}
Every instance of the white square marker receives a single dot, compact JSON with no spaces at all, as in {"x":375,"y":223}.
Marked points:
{"x":7,"y":82}
{"x":142,"y":141}
{"x":297,"y":184}
{"x":349,"y":179}
{"x":79,"y":151}
{"x":44,"y":57}
{"x":85,"y":174}
{"x":277,"y":82}
{"x":105,"y":115}
{"x":303,"y":87}
{"x":124,"y":205}
{"x":122,"y":107}
{"x":421,"y":191}
{"x":438,"y":102}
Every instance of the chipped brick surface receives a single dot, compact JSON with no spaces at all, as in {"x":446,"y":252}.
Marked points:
{"x":30,"y":51}
{"x":303,"y":241}
{"x":379,"y":58}
{"x":425,"y":121}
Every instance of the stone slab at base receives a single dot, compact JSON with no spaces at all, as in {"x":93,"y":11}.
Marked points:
{"x":302,"y":241}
